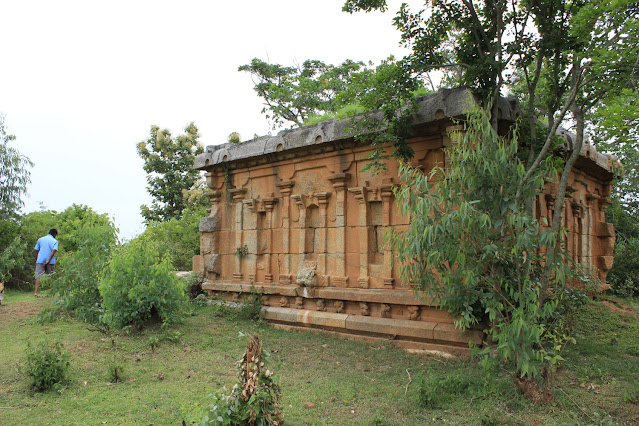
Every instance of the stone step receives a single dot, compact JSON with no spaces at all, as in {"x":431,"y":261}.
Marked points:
{"x":413,"y":334}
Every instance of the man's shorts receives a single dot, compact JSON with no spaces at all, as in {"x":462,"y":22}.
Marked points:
{"x":41,"y":269}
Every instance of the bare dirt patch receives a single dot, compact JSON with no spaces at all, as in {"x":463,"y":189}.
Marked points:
{"x":10,"y":312}
{"x":619,"y":307}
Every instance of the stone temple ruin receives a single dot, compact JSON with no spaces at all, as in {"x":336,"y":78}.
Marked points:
{"x":295,"y":217}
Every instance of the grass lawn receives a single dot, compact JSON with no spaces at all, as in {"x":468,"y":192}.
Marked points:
{"x":168,"y":374}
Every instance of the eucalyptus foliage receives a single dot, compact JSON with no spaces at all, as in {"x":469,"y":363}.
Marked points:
{"x":472,"y":248}
{"x":14,"y":175}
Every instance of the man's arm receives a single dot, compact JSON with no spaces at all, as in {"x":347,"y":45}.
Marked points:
{"x":50,"y":256}
{"x":37,"y":253}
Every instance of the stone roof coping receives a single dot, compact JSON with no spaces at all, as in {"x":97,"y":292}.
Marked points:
{"x":446,"y":103}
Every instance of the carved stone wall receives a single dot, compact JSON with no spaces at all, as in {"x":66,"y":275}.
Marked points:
{"x":296,"y":217}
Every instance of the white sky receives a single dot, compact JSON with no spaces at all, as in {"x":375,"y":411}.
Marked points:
{"x":81,"y":82}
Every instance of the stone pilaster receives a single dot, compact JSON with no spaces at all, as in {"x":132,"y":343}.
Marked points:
{"x":286,"y":187}
{"x":209,"y":238}
{"x":251,"y":238}
{"x":360,"y":196}
{"x":238,"y":196}
{"x":269,"y":204}
{"x":577,"y":231}
{"x":387,"y":200}
{"x":299,"y":201}
{"x":322,"y":201}
{"x":339,"y":181}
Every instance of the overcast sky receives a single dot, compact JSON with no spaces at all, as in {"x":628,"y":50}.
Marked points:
{"x":81,"y":82}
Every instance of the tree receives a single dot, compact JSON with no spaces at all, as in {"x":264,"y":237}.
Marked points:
{"x":14,"y":175}
{"x":471,"y":248}
{"x":294,"y":94}
{"x":570,"y":57}
{"x":169,"y":164}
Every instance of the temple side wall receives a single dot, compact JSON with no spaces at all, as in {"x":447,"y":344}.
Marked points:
{"x":307,"y":228}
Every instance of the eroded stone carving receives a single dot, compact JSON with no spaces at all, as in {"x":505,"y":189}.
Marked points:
{"x":364,"y":309}
{"x":385,"y":310}
{"x":284,"y":301}
{"x":413,"y":313}
{"x":299,"y":302}
{"x":339,"y":306}
{"x":321,"y":306}
{"x":208,"y":223}
{"x":307,"y":277}
{"x":212,"y":263}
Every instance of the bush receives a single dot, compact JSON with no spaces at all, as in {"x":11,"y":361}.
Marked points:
{"x":623,"y":277}
{"x":75,"y":283}
{"x":178,"y":239}
{"x":138,"y":286}
{"x":47,"y":365}
{"x":73,"y":220}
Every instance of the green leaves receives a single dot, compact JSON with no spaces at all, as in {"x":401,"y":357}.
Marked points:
{"x":292,"y":95}
{"x":75,"y":283}
{"x":14,"y":176}
{"x":169,"y":164}
{"x":475,"y":249}
{"x":46,"y":365}
{"x":138,"y":286}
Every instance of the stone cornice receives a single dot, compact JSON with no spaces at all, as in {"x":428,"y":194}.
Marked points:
{"x":324,"y":136}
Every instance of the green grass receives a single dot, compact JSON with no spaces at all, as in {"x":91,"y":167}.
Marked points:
{"x":349,"y":382}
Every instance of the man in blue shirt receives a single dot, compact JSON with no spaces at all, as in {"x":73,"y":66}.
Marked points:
{"x":46,"y":247}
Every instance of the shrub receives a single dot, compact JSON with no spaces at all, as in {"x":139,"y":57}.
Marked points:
{"x":251,"y":306}
{"x":474,"y":246}
{"x":138,"y":286}
{"x":10,"y":258}
{"x":75,"y":283}
{"x":46,"y":365}
{"x":623,"y":275}
{"x":178,"y":239}
{"x":34,"y":225}
{"x":234,"y":137}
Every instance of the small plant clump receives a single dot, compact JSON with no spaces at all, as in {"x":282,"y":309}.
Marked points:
{"x":248,"y":308}
{"x":115,"y":370}
{"x":46,"y":366}
{"x":234,"y":137}
{"x":253,"y":398}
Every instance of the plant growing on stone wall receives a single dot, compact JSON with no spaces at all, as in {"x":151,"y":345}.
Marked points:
{"x":242,"y":251}
{"x":472,"y":248}
{"x":234,"y":137}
